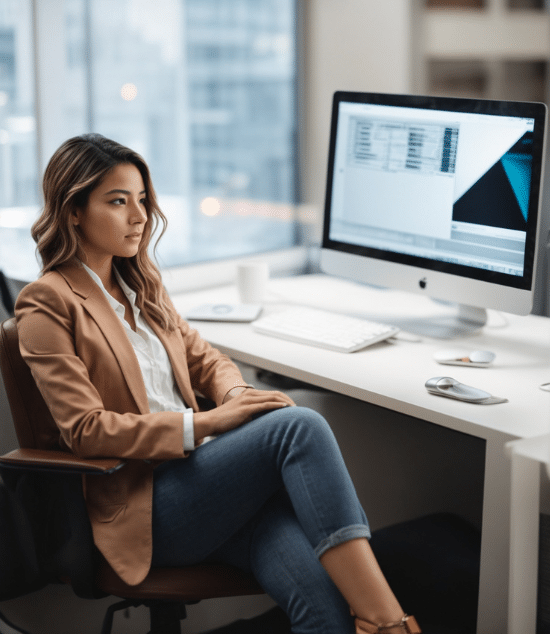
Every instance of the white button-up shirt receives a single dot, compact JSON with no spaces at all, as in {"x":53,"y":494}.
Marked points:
{"x":162,"y":391}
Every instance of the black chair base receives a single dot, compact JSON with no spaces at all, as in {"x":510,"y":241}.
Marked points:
{"x":165,"y":615}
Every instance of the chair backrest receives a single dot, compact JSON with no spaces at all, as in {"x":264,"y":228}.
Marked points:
{"x":34,"y":425}
{"x":7,"y":300}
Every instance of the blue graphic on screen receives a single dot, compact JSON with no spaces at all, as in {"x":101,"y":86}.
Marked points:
{"x":518,"y":169}
{"x":500,"y":198}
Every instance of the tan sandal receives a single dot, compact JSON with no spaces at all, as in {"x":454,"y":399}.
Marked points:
{"x":407,"y":625}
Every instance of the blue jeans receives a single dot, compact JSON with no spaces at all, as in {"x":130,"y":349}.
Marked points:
{"x":269,"y":497}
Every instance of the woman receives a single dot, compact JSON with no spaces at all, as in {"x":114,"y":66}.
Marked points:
{"x":119,"y":370}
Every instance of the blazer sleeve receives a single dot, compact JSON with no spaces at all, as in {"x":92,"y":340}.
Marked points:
{"x":46,"y":318}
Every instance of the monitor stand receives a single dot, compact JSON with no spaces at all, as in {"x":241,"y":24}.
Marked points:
{"x":467,"y":320}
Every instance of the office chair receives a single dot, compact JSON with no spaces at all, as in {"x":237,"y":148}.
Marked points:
{"x":49,"y":480}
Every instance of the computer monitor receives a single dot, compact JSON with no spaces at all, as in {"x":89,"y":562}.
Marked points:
{"x":438,"y":196}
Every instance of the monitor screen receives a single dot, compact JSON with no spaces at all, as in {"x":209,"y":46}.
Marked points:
{"x":436,"y":195}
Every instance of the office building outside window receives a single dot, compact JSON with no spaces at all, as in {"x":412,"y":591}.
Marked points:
{"x":204,"y":89}
{"x":18,"y":148}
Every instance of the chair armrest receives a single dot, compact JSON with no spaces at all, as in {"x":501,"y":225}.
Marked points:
{"x":58,"y":462}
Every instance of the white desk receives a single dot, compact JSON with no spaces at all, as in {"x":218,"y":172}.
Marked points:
{"x":392,"y":375}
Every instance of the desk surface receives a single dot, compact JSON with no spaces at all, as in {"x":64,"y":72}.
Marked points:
{"x":392,"y":375}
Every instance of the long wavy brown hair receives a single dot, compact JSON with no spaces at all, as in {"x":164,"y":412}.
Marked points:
{"x":73,"y":172}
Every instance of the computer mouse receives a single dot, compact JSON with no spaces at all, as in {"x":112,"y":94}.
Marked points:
{"x":447,"y":386}
{"x":473,"y":358}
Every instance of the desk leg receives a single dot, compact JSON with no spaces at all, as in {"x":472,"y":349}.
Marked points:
{"x":524,"y":544}
{"x":495,"y":541}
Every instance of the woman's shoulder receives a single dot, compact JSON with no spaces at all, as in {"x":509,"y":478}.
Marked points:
{"x":52,"y":288}
{"x":52,"y":280}
{"x":67,"y":277}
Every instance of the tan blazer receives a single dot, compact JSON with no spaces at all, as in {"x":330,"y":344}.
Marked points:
{"x":88,"y":373}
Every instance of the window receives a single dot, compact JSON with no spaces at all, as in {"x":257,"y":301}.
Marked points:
{"x":203,"y":89}
{"x":18,"y":150}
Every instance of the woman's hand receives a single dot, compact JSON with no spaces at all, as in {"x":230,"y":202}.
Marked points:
{"x":238,"y":410}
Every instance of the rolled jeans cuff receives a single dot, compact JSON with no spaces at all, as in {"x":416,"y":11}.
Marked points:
{"x":342,"y":535}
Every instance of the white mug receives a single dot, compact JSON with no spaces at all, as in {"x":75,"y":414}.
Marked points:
{"x":252,"y":278}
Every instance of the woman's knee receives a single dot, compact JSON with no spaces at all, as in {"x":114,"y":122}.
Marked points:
{"x":302,"y":416}
{"x":314,"y":422}
{"x":302,"y":427}
{"x":309,"y":415}
{"x":298,"y":420}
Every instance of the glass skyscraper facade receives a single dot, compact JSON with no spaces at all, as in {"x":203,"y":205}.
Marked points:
{"x":204,"y":89}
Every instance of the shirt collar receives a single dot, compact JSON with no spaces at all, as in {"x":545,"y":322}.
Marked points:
{"x":130,"y":294}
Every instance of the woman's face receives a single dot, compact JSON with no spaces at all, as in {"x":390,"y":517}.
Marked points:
{"x":113,"y":221}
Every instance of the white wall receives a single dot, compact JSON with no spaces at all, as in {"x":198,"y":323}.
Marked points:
{"x":358,"y":45}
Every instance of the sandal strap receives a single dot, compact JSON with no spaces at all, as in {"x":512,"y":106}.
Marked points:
{"x":408,"y":625}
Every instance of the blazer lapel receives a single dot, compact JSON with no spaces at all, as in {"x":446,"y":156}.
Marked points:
{"x":99,"y":309}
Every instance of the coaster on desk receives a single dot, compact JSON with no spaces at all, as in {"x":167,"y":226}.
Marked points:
{"x":225,"y":312}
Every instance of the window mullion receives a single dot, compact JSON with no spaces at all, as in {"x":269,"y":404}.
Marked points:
{"x":50,"y":63}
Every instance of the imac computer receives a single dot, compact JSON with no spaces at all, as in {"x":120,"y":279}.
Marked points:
{"x":438,"y":196}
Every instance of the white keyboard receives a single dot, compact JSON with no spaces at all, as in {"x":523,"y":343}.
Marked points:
{"x":324,"y":329}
